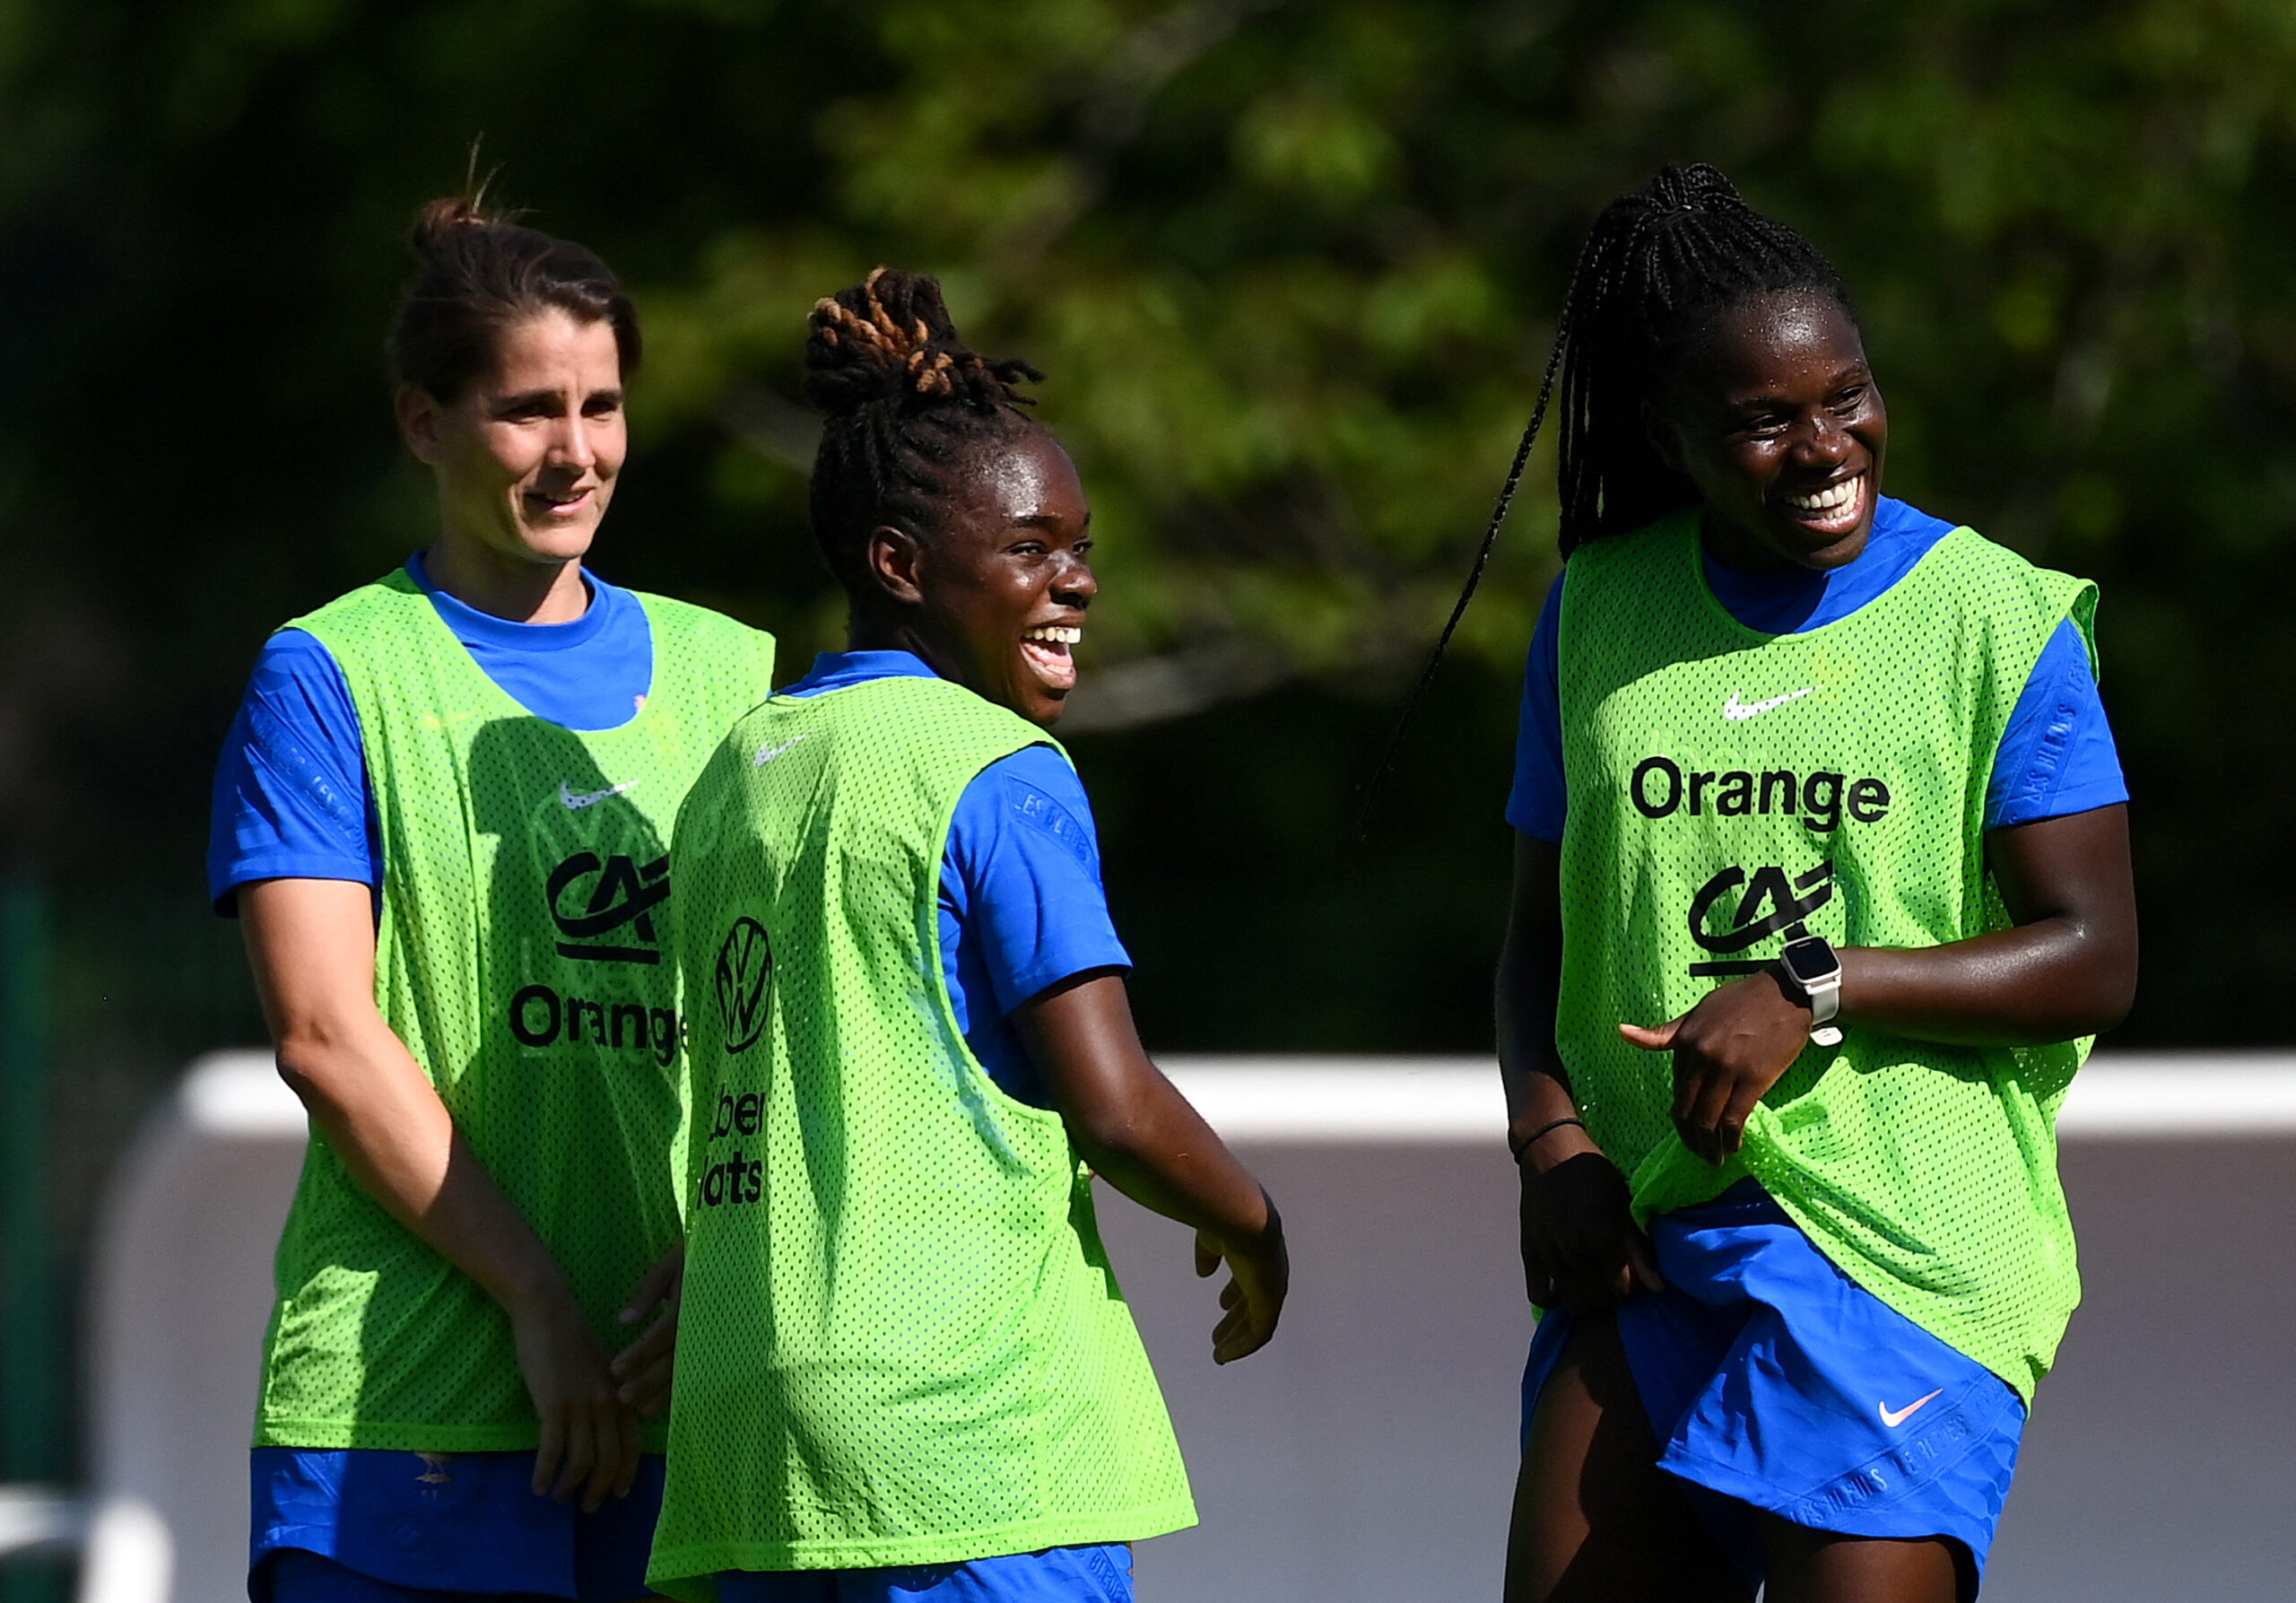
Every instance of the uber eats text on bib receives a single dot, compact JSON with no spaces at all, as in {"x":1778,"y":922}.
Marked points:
{"x":524,"y":957}
{"x":1730,"y":790}
{"x":901,"y":1341}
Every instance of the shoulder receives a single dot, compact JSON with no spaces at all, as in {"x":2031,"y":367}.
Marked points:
{"x":1027,"y":801}
{"x":1037,"y":783}
{"x":686,"y":619}
{"x":1655,"y":542}
{"x":293,"y":653}
{"x":386,"y":603}
{"x":297,"y":678}
{"x":1898,"y":520}
{"x":2001,"y":577}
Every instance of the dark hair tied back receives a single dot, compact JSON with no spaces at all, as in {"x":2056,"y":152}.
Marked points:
{"x":479,"y":274}
{"x":910,"y":406}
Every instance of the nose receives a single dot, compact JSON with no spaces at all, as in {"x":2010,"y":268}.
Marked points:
{"x":570,"y":445}
{"x":1074,"y":585}
{"x":1824,"y":442}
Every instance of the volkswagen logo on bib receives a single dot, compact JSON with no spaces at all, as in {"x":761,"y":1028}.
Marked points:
{"x":744,"y":962}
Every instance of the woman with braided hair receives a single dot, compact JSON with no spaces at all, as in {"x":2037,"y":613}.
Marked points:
{"x":905,"y":1371}
{"x":1815,"y":802}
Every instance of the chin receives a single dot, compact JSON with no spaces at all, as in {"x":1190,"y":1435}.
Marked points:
{"x":558,"y":544}
{"x":1042,"y":707}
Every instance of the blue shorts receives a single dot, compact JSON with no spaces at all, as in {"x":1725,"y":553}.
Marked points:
{"x":1095,"y":1574}
{"x":336,"y":1524}
{"x":1772,"y":1379}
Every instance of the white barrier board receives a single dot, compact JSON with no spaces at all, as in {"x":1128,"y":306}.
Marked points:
{"x":1367,"y":1455}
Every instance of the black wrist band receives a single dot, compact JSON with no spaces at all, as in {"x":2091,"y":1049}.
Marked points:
{"x":1524,"y":1145}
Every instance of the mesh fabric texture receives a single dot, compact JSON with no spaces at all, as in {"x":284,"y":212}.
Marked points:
{"x":1730,"y":789}
{"x":523,"y":956}
{"x":901,"y":1341}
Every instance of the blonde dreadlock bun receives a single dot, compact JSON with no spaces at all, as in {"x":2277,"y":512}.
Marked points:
{"x":890,"y":338}
{"x":911,"y":410}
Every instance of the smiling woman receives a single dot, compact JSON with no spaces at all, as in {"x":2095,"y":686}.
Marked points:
{"x":1815,"y":799}
{"x":442,"y":818}
{"x":946,"y":1056}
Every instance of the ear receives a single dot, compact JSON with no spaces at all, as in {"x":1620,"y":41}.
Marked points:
{"x":419,"y":413}
{"x":1665,"y":439}
{"x":893,"y":560}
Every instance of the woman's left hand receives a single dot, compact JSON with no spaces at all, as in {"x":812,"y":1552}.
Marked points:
{"x":1728,"y":1051}
{"x":642,"y":1369}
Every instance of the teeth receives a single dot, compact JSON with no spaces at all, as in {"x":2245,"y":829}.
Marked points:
{"x":1053,"y":634}
{"x":1834,"y":497}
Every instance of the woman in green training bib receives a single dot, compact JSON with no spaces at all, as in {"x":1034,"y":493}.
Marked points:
{"x":1821,"y":879}
{"x":905,"y":1371}
{"x":442,"y":818}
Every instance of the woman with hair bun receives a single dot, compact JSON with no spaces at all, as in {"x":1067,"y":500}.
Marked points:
{"x":905,"y":1370}
{"x":442,"y":818}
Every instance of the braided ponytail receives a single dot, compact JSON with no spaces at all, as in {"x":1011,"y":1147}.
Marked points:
{"x":1660,"y":265}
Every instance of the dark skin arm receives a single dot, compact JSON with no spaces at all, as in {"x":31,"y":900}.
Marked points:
{"x":1138,"y":1132}
{"x":1581,"y":1249}
{"x":2067,"y":967}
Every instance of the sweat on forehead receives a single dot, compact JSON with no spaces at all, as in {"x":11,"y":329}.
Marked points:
{"x":1792,"y":326}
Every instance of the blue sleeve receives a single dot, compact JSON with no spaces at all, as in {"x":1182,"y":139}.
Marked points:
{"x":1024,"y":844}
{"x":2057,"y":756}
{"x":1022,"y":907}
{"x":1539,"y":803}
{"x":291,"y":788}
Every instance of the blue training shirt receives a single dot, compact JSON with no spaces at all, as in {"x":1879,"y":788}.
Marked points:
{"x":291,"y":799}
{"x":2057,"y":756}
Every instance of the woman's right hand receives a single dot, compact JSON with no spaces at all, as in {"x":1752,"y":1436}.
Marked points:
{"x":1259,"y":1274}
{"x":589,"y":1437}
{"x":1582,"y":1251}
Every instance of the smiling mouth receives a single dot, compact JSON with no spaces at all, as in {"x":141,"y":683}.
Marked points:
{"x":558,"y":506}
{"x":1834,"y":509}
{"x":1045,"y":648}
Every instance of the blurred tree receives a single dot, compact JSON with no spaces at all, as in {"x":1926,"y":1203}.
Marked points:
{"x":1292,"y":268}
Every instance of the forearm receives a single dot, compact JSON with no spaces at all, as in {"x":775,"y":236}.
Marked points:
{"x":1163,"y":1156}
{"x":1536,"y":1087}
{"x":1525,"y":993}
{"x":2025,"y":986}
{"x":1128,"y":1121}
{"x":2067,"y":966}
{"x":381,"y":1116}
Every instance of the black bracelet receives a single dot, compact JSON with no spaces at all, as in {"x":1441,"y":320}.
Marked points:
{"x":1524,"y":1145}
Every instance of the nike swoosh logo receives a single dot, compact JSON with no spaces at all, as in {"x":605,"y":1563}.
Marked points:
{"x":1909,"y":1410}
{"x":771,"y":751}
{"x":590,"y":799}
{"x":1735,"y":708}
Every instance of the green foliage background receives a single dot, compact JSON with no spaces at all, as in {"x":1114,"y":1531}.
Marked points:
{"x":1292,"y":269}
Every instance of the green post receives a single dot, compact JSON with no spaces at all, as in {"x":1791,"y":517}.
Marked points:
{"x":30,"y":1448}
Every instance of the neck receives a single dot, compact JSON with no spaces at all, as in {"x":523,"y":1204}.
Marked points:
{"x":1732,"y":548}
{"x":521,"y":591}
{"x":890,"y":634}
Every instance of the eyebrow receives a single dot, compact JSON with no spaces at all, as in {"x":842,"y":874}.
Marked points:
{"x":542,"y":397}
{"x":1043,"y":520}
{"x":1770,"y":397}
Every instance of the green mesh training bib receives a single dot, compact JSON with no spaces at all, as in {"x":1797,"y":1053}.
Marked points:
{"x":523,"y":955}
{"x":901,"y":1340}
{"x":1730,"y":790}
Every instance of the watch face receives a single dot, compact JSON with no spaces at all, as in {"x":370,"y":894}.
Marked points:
{"x":1810,"y":961}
